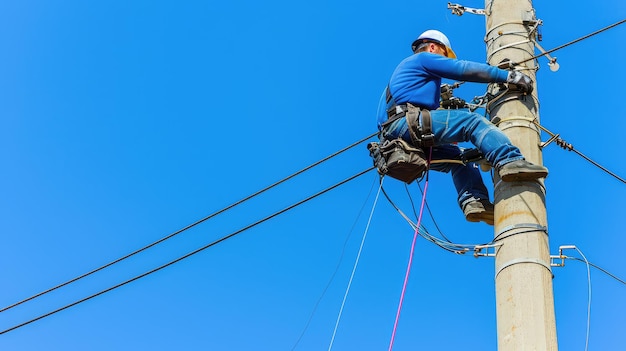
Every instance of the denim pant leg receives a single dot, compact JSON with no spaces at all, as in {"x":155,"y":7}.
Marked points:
{"x":451,"y":126}
{"x":467,"y":179}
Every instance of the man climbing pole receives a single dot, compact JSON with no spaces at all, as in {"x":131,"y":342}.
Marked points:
{"x":408,"y":110}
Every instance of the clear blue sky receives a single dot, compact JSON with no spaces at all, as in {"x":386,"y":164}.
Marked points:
{"x":124,"y":121}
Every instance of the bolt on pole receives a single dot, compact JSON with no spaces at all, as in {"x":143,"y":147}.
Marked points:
{"x":523,"y":277}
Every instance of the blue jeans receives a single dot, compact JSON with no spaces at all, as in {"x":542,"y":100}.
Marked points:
{"x":452,"y":126}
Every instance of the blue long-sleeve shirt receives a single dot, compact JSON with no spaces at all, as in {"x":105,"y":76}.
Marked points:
{"x":417,"y":79}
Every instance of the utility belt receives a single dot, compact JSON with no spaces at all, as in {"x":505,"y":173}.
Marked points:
{"x":397,"y":158}
{"x":418,"y":120}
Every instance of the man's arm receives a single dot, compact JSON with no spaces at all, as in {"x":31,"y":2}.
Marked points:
{"x":467,"y":71}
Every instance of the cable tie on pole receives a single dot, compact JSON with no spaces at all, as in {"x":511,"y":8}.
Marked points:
{"x":522,"y":260}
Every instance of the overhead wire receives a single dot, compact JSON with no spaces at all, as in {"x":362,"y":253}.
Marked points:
{"x":598,"y":268}
{"x":569,"y":147}
{"x":222,"y":239}
{"x":186,"y":227}
{"x":570,"y":43}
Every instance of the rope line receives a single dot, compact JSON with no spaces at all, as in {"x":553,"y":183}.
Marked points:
{"x":224,"y":238}
{"x":356,"y":263}
{"x":410,"y":263}
{"x":187,"y":227}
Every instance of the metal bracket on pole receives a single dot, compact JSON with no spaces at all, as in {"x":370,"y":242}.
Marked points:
{"x":553,"y":137}
{"x":459,"y":10}
{"x":560,"y":256}
{"x":478,"y":250}
{"x":554,"y":66}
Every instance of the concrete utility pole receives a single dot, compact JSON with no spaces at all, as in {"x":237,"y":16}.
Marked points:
{"x":524,"y":296}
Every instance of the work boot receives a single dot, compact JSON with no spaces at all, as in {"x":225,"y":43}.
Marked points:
{"x":522,"y":170}
{"x":479,"y":210}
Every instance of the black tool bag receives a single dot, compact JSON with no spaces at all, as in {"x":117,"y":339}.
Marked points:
{"x":399,"y":160}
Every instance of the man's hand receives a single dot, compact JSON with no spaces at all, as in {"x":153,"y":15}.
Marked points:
{"x":522,"y":81}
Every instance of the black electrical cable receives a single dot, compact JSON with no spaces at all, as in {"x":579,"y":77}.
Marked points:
{"x":432,"y":217}
{"x":423,"y":231}
{"x":598,"y":268}
{"x":571,"y":148}
{"x":508,"y":64}
{"x":224,"y":238}
{"x":185,"y":228}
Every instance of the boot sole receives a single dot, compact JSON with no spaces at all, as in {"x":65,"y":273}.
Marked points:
{"x":523,"y":176}
{"x":479,"y":217}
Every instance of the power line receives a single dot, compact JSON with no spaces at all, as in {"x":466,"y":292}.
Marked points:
{"x":506,"y":64}
{"x":594,"y":163}
{"x":569,"y":147}
{"x":598,"y":268}
{"x":224,"y":238}
{"x":187,"y":227}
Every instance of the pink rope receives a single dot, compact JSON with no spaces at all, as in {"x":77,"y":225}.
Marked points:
{"x":408,"y":268}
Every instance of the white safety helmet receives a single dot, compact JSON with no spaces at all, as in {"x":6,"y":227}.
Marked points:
{"x":436,"y":36}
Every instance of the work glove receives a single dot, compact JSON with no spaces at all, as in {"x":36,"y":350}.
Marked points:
{"x":522,"y":81}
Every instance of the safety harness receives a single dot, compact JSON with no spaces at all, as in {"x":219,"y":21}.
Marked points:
{"x":396,"y":158}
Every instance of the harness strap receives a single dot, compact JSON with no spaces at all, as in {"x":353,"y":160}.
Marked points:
{"x":420,"y":126}
{"x":418,"y":119}
{"x":428,"y":137}
{"x":394,"y":111}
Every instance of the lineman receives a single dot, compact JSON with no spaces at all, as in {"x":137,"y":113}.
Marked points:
{"x":414,"y":91}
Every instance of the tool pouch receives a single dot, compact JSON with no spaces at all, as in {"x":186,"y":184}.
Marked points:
{"x":399,"y":160}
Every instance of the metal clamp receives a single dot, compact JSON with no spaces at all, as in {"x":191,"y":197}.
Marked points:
{"x":522,"y":260}
{"x":560,"y":256}
{"x":554,"y":66}
{"x":533,"y":226}
{"x":478,"y":250}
